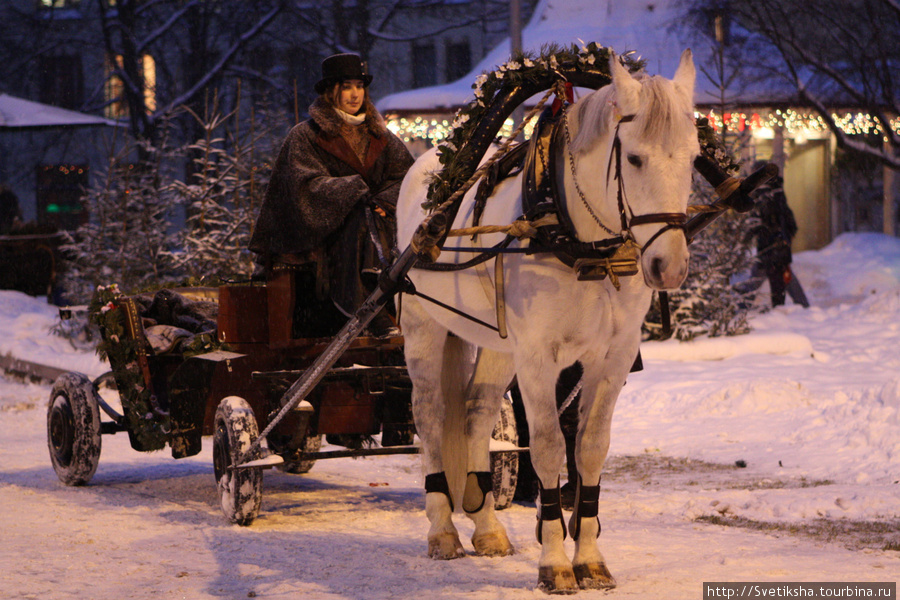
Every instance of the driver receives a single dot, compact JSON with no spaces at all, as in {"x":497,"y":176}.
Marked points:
{"x":329,"y":209}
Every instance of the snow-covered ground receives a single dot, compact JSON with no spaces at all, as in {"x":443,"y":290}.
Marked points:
{"x":809,"y":402}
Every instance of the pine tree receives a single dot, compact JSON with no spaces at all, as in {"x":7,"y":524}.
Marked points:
{"x":129,"y":237}
{"x":150,"y":229}
{"x":708,"y":302}
{"x":231,"y":170}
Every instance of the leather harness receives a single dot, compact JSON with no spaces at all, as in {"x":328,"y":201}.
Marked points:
{"x":543,"y":194}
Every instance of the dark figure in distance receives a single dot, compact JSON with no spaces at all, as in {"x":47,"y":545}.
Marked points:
{"x":774,"y":233}
{"x":10,"y":213}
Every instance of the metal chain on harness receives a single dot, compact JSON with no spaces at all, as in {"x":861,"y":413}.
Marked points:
{"x":581,"y":195}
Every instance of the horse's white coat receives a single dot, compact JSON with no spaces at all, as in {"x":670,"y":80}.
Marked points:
{"x":553,"y":320}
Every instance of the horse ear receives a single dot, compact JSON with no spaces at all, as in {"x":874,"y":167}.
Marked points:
{"x":628,"y":89}
{"x":686,"y":74}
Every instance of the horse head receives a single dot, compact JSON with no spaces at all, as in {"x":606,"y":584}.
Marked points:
{"x":641,"y":129}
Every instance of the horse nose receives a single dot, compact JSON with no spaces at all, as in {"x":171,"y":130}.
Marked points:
{"x":658,"y":268}
{"x":669,"y":274}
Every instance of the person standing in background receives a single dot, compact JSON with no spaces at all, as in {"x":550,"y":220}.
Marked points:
{"x":774,"y":233}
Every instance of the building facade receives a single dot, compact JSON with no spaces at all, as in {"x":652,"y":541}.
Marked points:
{"x":139,"y":64}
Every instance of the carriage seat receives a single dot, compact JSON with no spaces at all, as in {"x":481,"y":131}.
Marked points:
{"x":170,"y":321}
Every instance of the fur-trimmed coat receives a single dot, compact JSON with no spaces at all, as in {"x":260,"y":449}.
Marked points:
{"x":320,"y":201}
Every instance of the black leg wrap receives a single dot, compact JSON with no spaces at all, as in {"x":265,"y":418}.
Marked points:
{"x":550,"y":508}
{"x":474,"y":497}
{"x":437,"y":482}
{"x":587,"y":501}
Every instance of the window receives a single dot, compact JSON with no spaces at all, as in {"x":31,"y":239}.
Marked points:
{"x":60,"y":81}
{"x":459,"y":60}
{"x":60,"y":3}
{"x":59,"y":192}
{"x":115,"y":88}
{"x":424,"y":64}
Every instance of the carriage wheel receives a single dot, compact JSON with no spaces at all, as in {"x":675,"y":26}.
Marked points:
{"x":505,"y":465}
{"x":240,"y":491}
{"x":73,"y":429}
{"x":312,"y":443}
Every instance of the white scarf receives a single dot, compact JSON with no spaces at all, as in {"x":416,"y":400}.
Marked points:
{"x":351,"y":119}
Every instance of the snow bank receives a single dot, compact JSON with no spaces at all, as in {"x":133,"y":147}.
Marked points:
{"x":27,"y":323}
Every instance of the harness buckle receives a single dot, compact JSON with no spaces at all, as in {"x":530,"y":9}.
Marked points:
{"x":623,"y":263}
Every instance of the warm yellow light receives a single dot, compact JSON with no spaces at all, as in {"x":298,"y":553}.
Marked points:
{"x":115,"y":89}
{"x":434,"y":130}
{"x":795,"y":123}
{"x":149,"y":83}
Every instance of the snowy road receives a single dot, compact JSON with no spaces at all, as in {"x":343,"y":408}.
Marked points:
{"x":810,"y":402}
{"x":149,"y":526}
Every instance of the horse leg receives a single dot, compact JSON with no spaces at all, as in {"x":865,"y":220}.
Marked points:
{"x":493,"y":372}
{"x":591,"y":447}
{"x":538,"y":387}
{"x":424,"y":345}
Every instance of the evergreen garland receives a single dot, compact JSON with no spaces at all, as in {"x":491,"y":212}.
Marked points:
{"x":522,"y":70}
{"x":146,"y":426}
{"x":711,"y":145}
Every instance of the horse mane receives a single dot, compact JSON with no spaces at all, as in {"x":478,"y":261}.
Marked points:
{"x":660,"y":118}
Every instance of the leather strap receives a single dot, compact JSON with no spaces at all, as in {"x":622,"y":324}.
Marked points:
{"x":586,"y":507}
{"x":437,"y":482}
{"x":474,"y":496}
{"x":550,"y":508}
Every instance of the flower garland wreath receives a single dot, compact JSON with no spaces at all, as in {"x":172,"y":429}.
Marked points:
{"x":146,"y":428}
{"x":524,"y":70}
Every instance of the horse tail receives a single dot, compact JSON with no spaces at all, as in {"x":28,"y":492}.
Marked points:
{"x":457,"y":369}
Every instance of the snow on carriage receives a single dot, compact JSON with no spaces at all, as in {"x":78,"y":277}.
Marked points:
{"x":351,"y":386}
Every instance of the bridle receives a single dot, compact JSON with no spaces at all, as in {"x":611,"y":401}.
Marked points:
{"x":628,"y":221}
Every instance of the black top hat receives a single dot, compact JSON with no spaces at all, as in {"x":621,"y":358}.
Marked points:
{"x":340,"y":67}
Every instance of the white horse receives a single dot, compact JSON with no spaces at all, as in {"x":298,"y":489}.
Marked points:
{"x":553,"y":320}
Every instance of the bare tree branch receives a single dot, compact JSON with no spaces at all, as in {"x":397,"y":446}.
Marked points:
{"x":836,"y":54}
{"x":224,"y":60}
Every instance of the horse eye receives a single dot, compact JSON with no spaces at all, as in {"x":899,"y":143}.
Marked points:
{"x":635,"y":160}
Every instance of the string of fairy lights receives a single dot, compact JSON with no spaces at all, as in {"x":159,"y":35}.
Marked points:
{"x":796,"y":124}
{"x":435,"y":129}
{"x":801,"y":122}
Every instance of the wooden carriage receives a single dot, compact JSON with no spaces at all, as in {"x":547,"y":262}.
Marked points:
{"x":177,"y":385}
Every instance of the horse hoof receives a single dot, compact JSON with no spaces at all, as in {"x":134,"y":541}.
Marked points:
{"x":557,"y":580}
{"x":445,"y":546}
{"x":493,"y":544}
{"x":594,"y":576}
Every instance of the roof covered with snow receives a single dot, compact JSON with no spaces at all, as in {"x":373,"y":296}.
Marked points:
{"x":17,"y":113}
{"x":650,"y":29}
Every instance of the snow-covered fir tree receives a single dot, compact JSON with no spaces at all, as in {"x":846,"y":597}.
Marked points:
{"x":709,"y":302}
{"x":129,"y":237}
{"x":149,"y":228}
{"x":222,"y":198}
